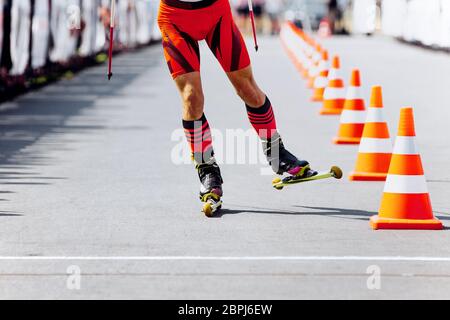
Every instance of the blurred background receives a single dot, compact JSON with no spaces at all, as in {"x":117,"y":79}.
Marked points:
{"x":42,"y":39}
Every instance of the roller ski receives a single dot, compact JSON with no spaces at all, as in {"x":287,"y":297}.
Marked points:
{"x":307,"y":176}
{"x":210,"y":188}
{"x":282,"y":161}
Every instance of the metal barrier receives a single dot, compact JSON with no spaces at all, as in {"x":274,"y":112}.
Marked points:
{"x":38,"y":36}
{"x":420,"y":21}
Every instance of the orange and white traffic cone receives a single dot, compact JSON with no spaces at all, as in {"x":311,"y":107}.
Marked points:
{"x":334,"y":94}
{"x":375,"y":149}
{"x":314,"y":69}
{"x":297,"y":41}
{"x":406,"y":203}
{"x":292,"y":39}
{"x":321,"y":81}
{"x":288,"y":39}
{"x":354,"y":114}
{"x":309,"y":52}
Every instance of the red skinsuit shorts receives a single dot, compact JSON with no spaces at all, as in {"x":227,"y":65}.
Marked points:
{"x":184,"y":24}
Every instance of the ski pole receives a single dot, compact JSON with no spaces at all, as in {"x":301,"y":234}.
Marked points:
{"x":252,"y":17}
{"x":111,"y":37}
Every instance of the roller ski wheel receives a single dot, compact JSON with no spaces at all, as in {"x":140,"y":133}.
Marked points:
{"x":212,"y":203}
{"x":210,"y":188}
{"x":307,"y":175}
{"x":276,"y":182}
{"x":337,"y":172}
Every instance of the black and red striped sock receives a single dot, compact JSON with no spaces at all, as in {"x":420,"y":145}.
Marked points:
{"x":198,"y":135}
{"x":263,"y":119}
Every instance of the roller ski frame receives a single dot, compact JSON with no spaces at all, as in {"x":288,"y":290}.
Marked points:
{"x":212,"y":203}
{"x":279,"y":184}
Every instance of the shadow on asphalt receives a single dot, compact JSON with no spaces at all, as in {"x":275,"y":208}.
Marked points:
{"x":46,"y":112}
{"x":334,"y":212}
{"x":9,"y":214}
{"x":353,"y":214}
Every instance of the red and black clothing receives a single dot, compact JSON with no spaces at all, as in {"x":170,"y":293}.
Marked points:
{"x":184,"y":24}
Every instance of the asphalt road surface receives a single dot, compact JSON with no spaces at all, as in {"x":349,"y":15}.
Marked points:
{"x":91,"y":185}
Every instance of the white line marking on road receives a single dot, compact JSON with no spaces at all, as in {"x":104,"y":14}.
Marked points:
{"x":231,"y":258}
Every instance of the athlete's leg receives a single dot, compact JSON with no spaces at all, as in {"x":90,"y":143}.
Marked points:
{"x":198,"y":134}
{"x":246,"y":87}
{"x":182,"y":53}
{"x":190,"y":88}
{"x":195,"y":123}
{"x":259,"y":108}
{"x":227,"y":44}
{"x":262,"y":118}
{"x":181,"y":29}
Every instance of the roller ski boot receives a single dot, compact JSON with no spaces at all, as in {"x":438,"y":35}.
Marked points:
{"x":282,"y":161}
{"x":210,"y":188}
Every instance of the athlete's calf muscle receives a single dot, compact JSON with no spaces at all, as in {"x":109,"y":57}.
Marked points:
{"x":246,"y":87}
{"x":190,"y":87}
